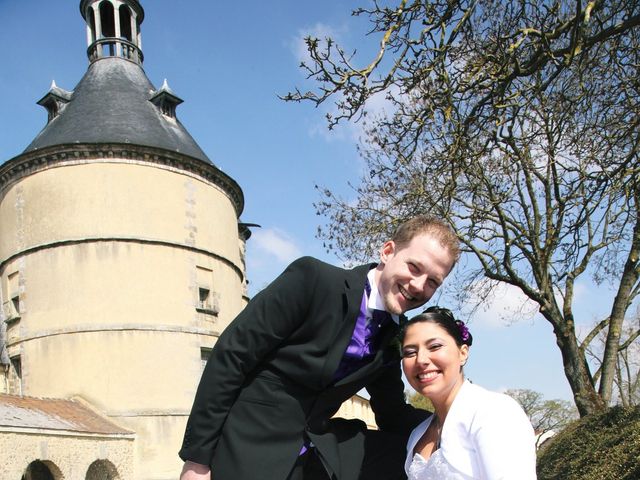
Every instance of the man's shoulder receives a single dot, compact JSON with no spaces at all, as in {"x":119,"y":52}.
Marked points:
{"x":308,"y":262}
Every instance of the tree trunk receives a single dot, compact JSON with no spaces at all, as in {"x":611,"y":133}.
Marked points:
{"x":618,"y":310}
{"x":575,"y":368}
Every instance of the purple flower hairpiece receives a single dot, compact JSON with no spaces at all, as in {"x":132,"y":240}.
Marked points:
{"x":464,"y":331}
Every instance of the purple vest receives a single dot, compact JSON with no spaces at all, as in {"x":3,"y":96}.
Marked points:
{"x":364,"y":342}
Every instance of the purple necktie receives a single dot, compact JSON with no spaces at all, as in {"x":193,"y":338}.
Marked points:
{"x":363,"y":344}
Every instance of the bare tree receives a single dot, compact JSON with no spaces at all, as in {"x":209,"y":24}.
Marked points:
{"x":517,"y":121}
{"x":545,"y":415}
{"x":627,"y":377}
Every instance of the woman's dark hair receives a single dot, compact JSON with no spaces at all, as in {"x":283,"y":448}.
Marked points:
{"x":443,"y":317}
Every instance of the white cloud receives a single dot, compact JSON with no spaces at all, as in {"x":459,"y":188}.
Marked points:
{"x":376,"y":106}
{"x":275,"y":242}
{"x":503,"y":304}
{"x":320,"y":31}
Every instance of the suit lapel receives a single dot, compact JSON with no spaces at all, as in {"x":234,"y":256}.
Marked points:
{"x":353,"y":289}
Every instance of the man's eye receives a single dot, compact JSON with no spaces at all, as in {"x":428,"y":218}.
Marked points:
{"x":413,"y":268}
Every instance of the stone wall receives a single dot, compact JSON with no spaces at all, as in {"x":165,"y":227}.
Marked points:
{"x":67,"y":456}
{"x":358,"y":407}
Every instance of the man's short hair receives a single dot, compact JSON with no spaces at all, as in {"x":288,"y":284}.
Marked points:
{"x":428,"y":224}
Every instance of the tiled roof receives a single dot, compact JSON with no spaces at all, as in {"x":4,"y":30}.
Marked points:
{"x":53,"y":414}
{"x":111,"y":105}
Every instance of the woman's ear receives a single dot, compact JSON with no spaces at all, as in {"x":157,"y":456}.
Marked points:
{"x":464,"y":355}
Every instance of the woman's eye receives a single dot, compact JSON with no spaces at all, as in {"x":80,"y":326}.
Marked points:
{"x":435,"y":346}
{"x":408,"y":353}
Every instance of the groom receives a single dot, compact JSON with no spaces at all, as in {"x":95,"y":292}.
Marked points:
{"x":306,"y":343}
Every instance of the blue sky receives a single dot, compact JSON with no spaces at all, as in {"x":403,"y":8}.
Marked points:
{"x":228,"y":61}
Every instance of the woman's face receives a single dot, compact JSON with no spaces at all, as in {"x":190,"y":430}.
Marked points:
{"x":432,"y":361}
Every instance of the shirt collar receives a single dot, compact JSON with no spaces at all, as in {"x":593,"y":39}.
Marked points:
{"x":375,"y":301}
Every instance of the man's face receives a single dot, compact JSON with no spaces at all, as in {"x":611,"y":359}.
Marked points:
{"x":408,"y":276}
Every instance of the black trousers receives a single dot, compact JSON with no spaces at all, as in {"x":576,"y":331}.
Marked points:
{"x":384,"y":458}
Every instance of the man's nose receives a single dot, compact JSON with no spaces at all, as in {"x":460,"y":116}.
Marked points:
{"x":418,"y":285}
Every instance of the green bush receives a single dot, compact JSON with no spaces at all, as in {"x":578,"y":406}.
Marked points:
{"x":597,"y":447}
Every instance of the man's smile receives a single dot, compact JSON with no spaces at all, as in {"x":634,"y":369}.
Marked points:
{"x":406,"y":294}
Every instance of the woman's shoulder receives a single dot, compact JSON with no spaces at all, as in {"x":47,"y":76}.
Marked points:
{"x":476,"y":407}
{"x":474,"y":397}
{"x":488,"y":402}
{"x":480,"y":409}
{"x":488,"y":425}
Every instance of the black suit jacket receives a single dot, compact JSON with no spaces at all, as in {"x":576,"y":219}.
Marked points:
{"x":268,"y":387}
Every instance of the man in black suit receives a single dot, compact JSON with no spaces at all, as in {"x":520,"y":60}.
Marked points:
{"x":302,"y":346}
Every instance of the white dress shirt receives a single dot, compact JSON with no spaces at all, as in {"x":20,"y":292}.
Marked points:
{"x":375,"y":300}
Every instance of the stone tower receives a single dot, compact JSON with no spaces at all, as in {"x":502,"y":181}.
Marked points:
{"x":121,"y":251}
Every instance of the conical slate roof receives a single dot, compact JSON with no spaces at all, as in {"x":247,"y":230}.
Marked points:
{"x":111,"y":104}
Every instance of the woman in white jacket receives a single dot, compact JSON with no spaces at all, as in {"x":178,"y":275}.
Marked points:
{"x":473,"y":433}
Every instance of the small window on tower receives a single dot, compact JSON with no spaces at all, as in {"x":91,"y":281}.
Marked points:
{"x":15,"y":376}
{"x":204,"y":298}
{"x":207,"y":301}
{"x":12,"y":307}
{"x":205,"y":353}
{"x":15,"y":302}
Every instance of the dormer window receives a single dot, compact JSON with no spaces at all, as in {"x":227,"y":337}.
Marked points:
{"x":55,"y":100}
{"x":165,"y":100}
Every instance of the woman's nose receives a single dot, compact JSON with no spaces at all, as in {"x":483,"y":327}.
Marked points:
{"x":423,"y":357}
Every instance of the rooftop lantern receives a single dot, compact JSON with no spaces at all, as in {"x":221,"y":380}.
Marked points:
{"x":113,"y":29}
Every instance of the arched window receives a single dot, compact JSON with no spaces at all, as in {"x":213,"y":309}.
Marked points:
{"x":38,"y":470}
{"x":102,"y":470}
{"x":107,"y":22}
{"x":125,"y":23}
{"x":107,"y":19}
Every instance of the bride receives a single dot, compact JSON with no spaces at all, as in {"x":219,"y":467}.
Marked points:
{"x":474,"y":433}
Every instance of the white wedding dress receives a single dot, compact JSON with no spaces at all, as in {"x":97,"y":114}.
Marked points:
{"x":435,"y":468}
{"x":486,"y":435}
